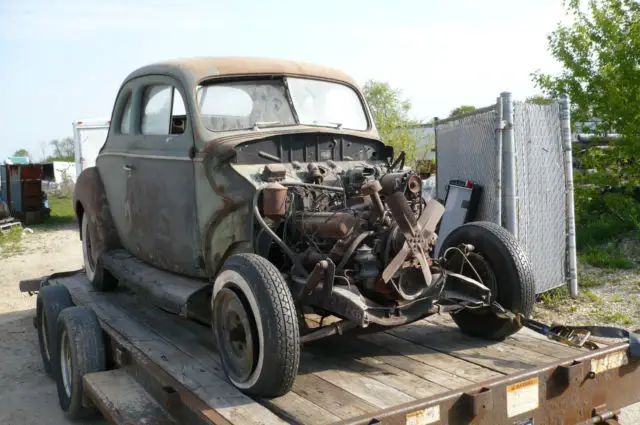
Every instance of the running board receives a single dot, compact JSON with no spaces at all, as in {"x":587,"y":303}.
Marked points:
{"x":122,"y":400}
{"x":185,"y":296}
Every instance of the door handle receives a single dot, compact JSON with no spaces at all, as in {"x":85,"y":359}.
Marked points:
{"x":128,"y":168}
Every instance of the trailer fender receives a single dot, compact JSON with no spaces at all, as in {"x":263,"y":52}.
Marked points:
{"x":90,"y":197}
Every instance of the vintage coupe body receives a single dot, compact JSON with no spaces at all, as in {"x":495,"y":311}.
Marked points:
{"x":266,"y":182}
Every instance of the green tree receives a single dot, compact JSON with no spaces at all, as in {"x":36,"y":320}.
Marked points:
{"x":601,"y":74}
{"x":539,"y":99}
{"x":391,"y":114}
{"x":598,"y":52}
{"x":63,"y":150}
{"x":21,"y":152}
{"x":460,"y":110}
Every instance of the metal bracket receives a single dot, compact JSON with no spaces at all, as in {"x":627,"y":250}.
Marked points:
{"x":479,"y":402}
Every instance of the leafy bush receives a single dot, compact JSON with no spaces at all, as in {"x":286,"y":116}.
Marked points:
{"x":602,"y":218}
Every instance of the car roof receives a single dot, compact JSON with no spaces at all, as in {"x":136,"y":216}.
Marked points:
{"x":197,"y":69}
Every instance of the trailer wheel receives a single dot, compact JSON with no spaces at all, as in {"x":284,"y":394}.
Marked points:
{"x":506,"y":270}
{"x":80,"y":349}
{"x":100,"y":279}
{"x":255,"y":326}
{"x":51,"y":301}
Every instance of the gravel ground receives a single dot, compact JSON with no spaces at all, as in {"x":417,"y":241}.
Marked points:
{"x":606,"y":297}
{"x":27,"y":395}
{"x":23,"y":384}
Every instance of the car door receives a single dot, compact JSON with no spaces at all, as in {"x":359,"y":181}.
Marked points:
{"x":112,"y":160}
{"x":161,"y":187}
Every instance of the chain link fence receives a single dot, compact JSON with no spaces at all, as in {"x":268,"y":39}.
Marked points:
{"x":516,"y":152}
{"x":540,"y":182}
{"x":466,"y":149}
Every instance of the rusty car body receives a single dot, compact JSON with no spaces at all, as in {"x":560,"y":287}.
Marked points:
{"x":266,"y":181}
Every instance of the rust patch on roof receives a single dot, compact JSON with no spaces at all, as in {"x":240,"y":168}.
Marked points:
{"x":202,"y":68}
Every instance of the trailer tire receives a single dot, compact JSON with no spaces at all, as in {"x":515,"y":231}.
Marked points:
{"x":512,"y":276}
{"x":100,"y":278}
{"x":255,"y":326}
{"x":80,"y":349}
{"x":50,"y":302}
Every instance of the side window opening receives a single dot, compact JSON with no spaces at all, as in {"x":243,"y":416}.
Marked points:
{"x":125,"y":122}
{"x":156,"y":110}
{"x":164,"y":111}
{"x":178,"y":113}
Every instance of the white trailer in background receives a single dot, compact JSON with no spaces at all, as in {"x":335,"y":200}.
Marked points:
{"x":89,"y":135}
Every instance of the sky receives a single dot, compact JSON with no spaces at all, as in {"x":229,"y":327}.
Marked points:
{"x":62,"y":61}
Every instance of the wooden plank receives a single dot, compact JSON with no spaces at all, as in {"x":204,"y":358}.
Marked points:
{"x":498,"y":357}
{"x":380,"y":353}
{"x":220,"y":395}
{"x":122,"y":400}
{"x":342,"y":355}
{"x":328,"y":396}
{"x":364,"y":387}
{"x":376,"y":356}
{"x":300,"y":410}
{"x":433,"y":358}
{"x":197,"y":341}
{"x":525,"y":338}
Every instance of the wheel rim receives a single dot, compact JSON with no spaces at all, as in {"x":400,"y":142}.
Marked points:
{"x":45,"y":334}
{"x":66,"y":367}
{"x":235,"y":335}
{"x":487,"y":277}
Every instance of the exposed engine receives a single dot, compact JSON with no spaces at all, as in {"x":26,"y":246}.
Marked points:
{"x":373,"y":226}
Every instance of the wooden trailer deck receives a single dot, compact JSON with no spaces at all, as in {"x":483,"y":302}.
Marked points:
{"x":337,"y":382}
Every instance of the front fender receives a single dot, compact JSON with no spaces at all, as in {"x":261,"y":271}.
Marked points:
{"x":90,"y":197}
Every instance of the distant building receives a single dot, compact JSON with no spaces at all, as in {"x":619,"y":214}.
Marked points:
{"x":23,"y":160}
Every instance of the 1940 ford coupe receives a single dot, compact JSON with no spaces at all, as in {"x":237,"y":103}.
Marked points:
{"x":245,"y":193}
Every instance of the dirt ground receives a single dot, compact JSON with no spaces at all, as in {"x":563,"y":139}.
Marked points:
{"x":28,"y":396}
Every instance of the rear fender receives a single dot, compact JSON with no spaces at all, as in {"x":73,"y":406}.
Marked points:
{"x":90,"y":198}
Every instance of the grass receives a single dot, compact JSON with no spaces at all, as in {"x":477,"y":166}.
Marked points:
{"x":606,"y":256}
{"x":588,"y":281}
{"x":10,"y":241}
{"x":593,"y":297}
{"x":599,"y":231}
{"x":62,"y":211}
{"x":616,"y":317}
{"x":554,"y":296}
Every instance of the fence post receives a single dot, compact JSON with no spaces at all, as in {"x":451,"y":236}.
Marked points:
{"x":509,"y":166}
{"x":498,"y":134}
{"x":565,"y":129}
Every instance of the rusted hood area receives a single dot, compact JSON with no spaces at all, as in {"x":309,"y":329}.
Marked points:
{"x":224,"y":147}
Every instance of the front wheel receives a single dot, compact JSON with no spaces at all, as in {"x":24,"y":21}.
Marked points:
{"x":255,"y":326}
{"x":503,"y":267}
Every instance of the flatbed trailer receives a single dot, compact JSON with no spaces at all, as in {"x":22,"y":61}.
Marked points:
{"x":164,"y":369}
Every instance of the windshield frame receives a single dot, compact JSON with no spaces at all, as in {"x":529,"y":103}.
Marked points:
{"x":283,"y":78}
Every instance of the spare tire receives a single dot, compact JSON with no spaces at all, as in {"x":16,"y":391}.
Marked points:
{"x":509,"y":271}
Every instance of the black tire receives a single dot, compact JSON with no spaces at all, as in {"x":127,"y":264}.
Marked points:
{"x":100,"y":278}
{"x":50,"y":302}
{"x":79,"y":336}
{"x":514,"y":281}
{"x":252,"y":284}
